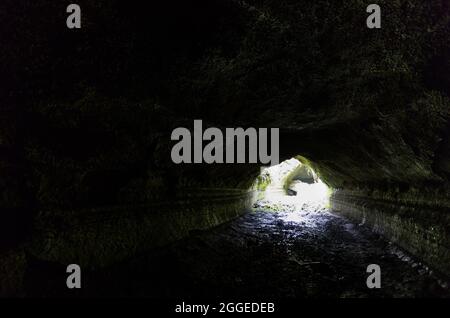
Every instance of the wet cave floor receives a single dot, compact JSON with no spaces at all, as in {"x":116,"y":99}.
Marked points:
{"x":264,"y":255}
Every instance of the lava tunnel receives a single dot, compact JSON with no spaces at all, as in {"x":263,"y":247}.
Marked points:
{"x":225,"y":149}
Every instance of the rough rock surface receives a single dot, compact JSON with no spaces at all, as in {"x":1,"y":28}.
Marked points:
{"x":86,"y":117}
{"x":311,"y":253}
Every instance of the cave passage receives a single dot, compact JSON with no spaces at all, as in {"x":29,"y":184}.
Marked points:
{"x":87,"y":175}
{"x":289,"y":245}
{"x":291,"y":186}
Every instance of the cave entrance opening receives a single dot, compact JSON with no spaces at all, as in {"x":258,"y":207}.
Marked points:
{"x":291,"y":187}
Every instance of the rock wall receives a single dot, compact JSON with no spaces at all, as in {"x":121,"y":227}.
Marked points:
{"x":415,"y":219}
{"x":85,"y":126}
{"x":99,"y":237}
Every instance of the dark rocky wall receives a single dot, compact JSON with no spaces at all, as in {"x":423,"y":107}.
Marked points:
{"x":415,"y":219}
{"x":96,"y":238}
{"x":85,"y":127}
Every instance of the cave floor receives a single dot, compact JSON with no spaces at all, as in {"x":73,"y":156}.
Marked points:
{"x":266,"y":254}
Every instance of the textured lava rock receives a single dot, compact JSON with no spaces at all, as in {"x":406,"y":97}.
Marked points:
{"x":93,"y":111}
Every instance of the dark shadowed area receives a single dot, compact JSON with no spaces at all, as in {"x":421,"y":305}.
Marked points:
{"x":86,"y":175}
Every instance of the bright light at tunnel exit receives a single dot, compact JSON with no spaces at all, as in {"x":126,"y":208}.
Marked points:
{"x":291,"y":186}
{"x":317,"y":192}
